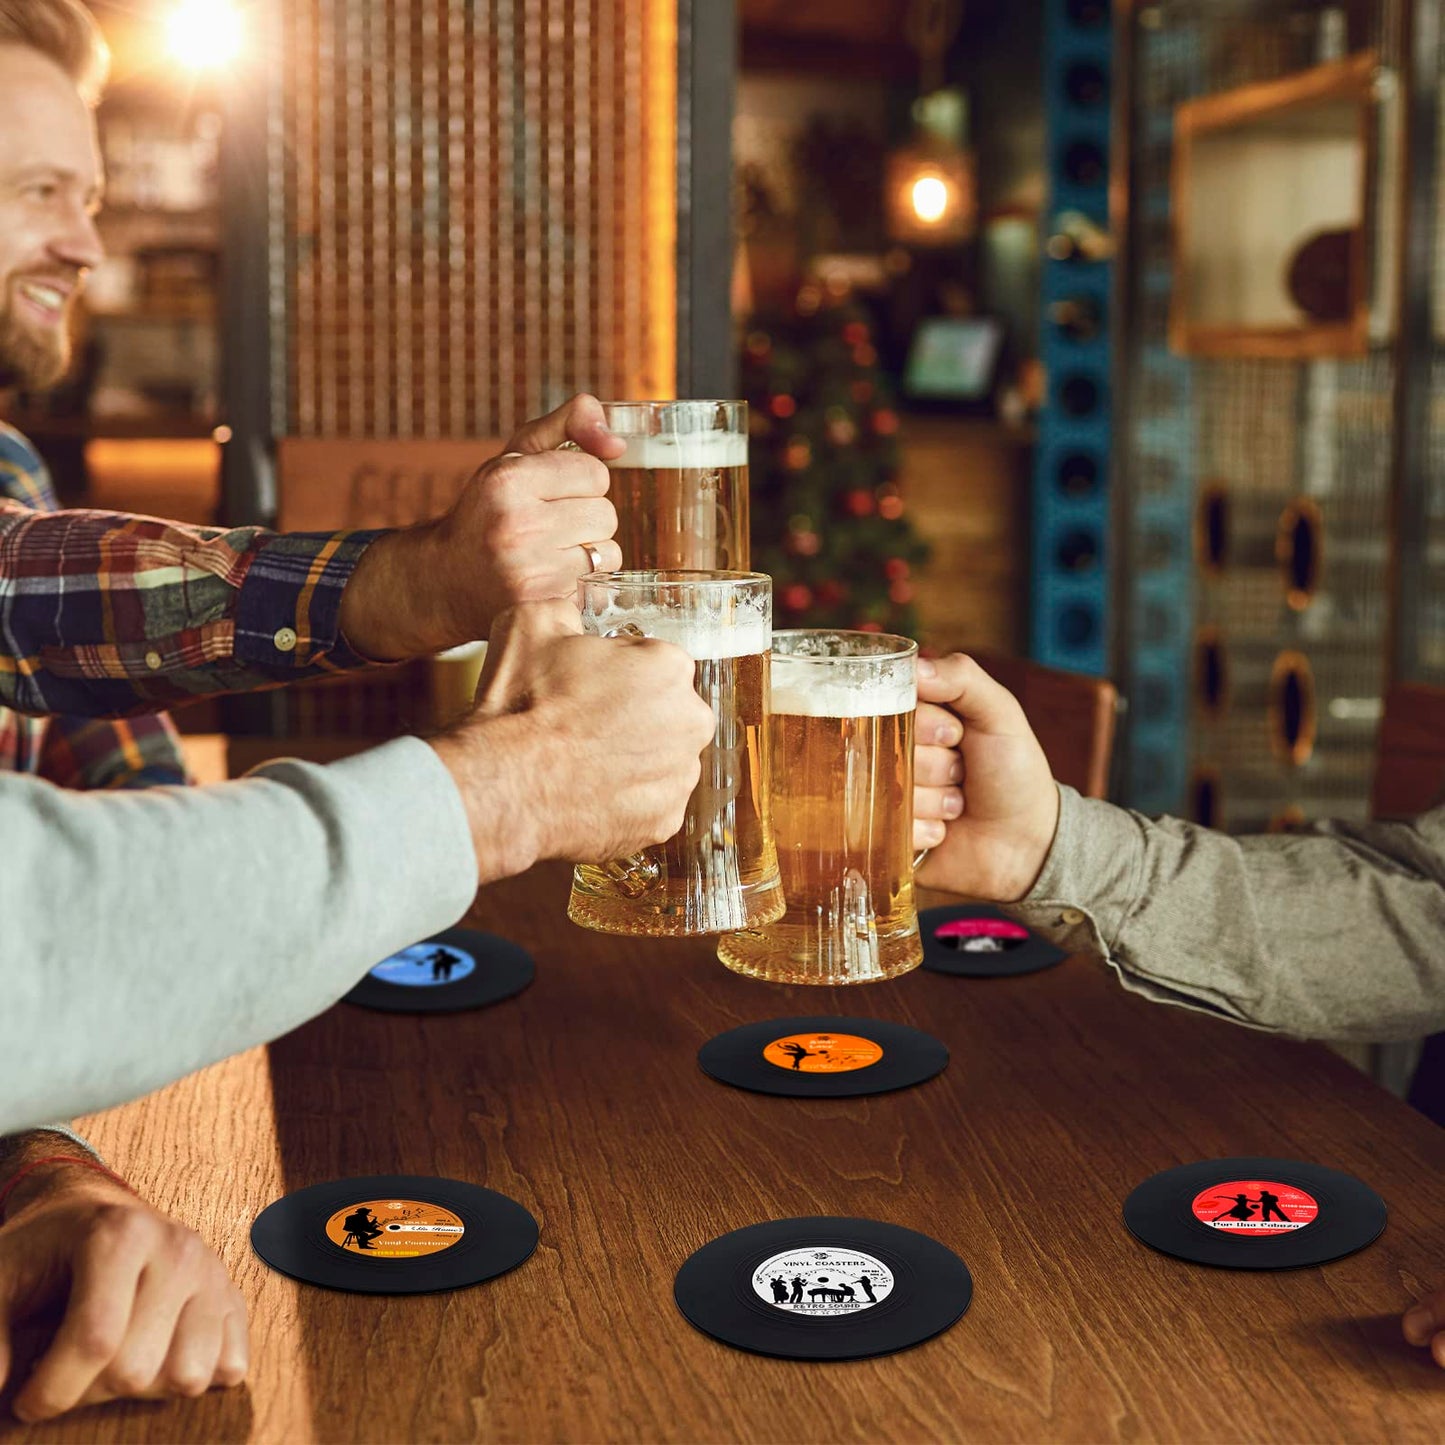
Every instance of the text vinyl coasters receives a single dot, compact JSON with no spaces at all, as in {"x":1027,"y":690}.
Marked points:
{"x":394,"y":1234}
{"x":823,"y":1288}
{"x":975,"y":941}
{"x":458,"y":969}
{"x":1255,"y":1213}
{"x":823,"y":1058}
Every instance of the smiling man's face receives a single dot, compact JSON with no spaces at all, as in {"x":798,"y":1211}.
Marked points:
{"x":50,"y":182}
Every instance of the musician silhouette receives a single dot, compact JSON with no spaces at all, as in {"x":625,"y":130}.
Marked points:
{"x":780,"y":1291}
{"x":867,"y":1289}
{"x":797,"y":1295}
{"x":362,"y":1226}
{"x":442,"y":964}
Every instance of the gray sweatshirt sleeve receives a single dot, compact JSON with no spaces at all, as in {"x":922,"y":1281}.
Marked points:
{"x":146,"y":934}
{"x":1338,"y":933}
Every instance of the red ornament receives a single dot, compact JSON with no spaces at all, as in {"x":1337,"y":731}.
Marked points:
{"x":865,"y":356}
{"x":803,"y":542}
{"x":759,"y":345}
{"x":855,"y":333}
{"x":866,"y":624}
{"x":859,"y":502}
{"x":890,"y":507}
{"x":796,"y":596}
{"x":782,"y":406}
{"x":885,"y":421}
{"x":895,"y":569}
{"x":798,"y":455}
{"x":901,"y":593}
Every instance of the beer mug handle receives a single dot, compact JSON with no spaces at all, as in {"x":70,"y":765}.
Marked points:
{"x":637,"y":873}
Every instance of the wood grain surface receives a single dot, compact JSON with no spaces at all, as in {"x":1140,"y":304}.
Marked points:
{"x":582,"y":1100}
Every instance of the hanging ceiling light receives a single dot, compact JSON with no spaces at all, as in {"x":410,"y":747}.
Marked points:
{"x":204,"y":34}
{"x":930,"y":198}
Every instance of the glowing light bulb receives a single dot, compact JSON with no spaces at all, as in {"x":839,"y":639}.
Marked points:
{"x":204,"y":34}
{"x":930,"y":199}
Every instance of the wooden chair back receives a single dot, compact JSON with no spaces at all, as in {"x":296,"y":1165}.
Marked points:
{"x":326,"y":483}
{"x":1410,"y":759}
{"x":1072,"y":715}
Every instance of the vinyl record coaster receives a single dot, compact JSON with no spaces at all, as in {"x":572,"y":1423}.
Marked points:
{"x":975,"y":941}
{"x":823,"y":1288}
{"x":823,"y":1058}
{"x":394,"y":1234}
{"x":1255,"y":1213}
{"x":459,"y":969}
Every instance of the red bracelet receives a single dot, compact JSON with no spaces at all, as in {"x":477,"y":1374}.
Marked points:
{"x":57,"y":1159}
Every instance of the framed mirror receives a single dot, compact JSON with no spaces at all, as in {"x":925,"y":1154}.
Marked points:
{"x":1272,"y":187}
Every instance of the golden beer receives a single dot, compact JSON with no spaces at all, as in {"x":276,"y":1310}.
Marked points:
{"x":720,"y":871}
{"x":681,"y":487}
{"x":841,"y":764}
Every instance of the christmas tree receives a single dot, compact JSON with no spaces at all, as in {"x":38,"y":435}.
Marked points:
{"x":828,"y":518}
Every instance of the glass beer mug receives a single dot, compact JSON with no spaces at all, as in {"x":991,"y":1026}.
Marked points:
{"x":681,"y":487}
{"x":721,"y":870}
{"x":841,"y":760}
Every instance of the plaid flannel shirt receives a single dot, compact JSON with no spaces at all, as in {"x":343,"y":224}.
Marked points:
{"x":105,"y":616}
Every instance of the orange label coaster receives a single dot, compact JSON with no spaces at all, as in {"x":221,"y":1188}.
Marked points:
{"x":823,"y":1058}
{"x":823,"y":1053}
{"x":394,"y":1234}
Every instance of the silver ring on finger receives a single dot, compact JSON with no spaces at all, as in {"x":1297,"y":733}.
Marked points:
{"x":594,"y":557}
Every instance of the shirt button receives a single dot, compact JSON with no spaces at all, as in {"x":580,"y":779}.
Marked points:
{"x":285,"y":640}
{"x":153,"y":661}
{"x":1072,"y":915}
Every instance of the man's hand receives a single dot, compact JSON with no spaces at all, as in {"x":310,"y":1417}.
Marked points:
{"x":984,"y":799}
{"x":148,"y":1309}
{"x":583,"y":748}
{"x":1424,"y":1325}
{"x":515,"y":535}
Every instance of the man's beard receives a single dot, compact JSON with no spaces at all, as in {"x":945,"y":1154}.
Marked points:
{"x":27,"y":361}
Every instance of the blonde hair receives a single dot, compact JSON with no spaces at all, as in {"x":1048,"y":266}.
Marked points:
{"x":64,"y":31}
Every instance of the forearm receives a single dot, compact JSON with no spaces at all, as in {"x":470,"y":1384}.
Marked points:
{"x":151,"y":612}
{"x":1334,"y":934}
{"x":148,"y":934}
{"x":25,"y":1150}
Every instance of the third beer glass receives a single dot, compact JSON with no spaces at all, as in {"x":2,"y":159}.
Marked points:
{"x":721,"y":871}
{"x":681,"y":487}
{"x":842,"y":792}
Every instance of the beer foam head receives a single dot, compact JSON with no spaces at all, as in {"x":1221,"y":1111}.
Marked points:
{"x":841,"y":688}
{"x":706,"y":450}
{"x":702,"y":639}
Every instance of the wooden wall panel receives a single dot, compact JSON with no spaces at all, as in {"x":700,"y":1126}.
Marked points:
{"x":477,"y":211}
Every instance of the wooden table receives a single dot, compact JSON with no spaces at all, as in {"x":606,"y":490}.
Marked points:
{"x":582,"y":1100}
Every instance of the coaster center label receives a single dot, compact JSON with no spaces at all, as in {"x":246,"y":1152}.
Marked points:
{"x":981,"y":935}
{"x":426,"y":965}
{"x":823,"y":1281}
{"x":387,"y":1229}
{"x":822,"y":1053}
{"x":1255,"y":1208}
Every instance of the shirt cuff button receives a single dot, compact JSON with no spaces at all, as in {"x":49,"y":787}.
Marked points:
{"x":285,"y":640}
{"x":153,"y":661}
